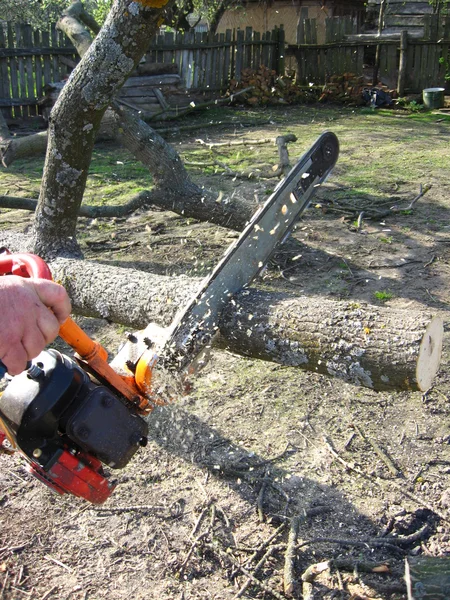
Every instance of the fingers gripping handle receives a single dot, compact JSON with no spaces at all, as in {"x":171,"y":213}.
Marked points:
{"x":4,"y":368}
{"x":24,"y":265}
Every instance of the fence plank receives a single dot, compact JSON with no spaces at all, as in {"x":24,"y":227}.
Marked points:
{"x":54,"y":44}
{"x":27,"y":38}
{"x":38,"y":70}
{"x":221,"y":58}
{"x":21,"y":62}
{"x":446,"y":28}
{"x":227,"y":65}
{"x":313,"y":31}
{"x":239,"y":53}
{"x":5,"y":91}
{"x":247,"y":63}
{"x":14,"y":69}
{"x":257,"y":53}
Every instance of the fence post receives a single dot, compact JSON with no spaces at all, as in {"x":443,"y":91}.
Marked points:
{"x":446,"y":28}
{"x":239,"y":53}
{"x":430,"y":29}
{"x":281,"y":48}
{"x":301,"y":26}
{"x":402,"y":67}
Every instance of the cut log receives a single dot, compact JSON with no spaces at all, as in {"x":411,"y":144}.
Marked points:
{"x":151,"y":68}
{"x":368,"y":345}
{"x":153,"y":81}
{"x":372,"y":346}
{"x":428,"y":578}
{"x":22,"y":147}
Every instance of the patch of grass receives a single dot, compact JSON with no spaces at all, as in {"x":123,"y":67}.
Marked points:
{"x":383,"y":296}
{"x":386,"y":239}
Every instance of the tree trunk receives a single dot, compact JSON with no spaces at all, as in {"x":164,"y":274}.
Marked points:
{"x":76,"y":118}
{"x":379,"y":348}
{"x":220,"y":11}
{"x":74,"y":29}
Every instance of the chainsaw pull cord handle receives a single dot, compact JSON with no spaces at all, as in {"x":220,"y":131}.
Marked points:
{"x":30,"y":265}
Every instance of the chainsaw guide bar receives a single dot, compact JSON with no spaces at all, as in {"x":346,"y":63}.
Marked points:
{"x":197,"y":324}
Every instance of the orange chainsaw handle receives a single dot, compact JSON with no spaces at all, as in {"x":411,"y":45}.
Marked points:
{"x":93,"y":353}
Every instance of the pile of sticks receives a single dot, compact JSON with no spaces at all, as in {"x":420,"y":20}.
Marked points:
{"x":266,"y":87}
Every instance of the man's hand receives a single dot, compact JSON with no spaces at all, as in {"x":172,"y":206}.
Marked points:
{"x":27,"y":324}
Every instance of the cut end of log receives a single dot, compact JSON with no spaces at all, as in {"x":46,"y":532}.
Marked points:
{"x":430,"y":352}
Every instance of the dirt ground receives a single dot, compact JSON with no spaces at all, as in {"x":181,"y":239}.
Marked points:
{"x":206,"y":509}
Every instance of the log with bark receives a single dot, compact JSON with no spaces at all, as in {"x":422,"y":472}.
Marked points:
{"x":373,"y":346}
{"x":428,"y":577}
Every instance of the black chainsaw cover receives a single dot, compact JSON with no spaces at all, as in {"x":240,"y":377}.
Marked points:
{"x":55,"y":406}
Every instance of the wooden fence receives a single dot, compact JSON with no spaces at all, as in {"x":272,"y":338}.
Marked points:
{"x":424,"y":61}
{"x":28,"y":60}
{"x":31,"y":59}
{"x":208,"y":62}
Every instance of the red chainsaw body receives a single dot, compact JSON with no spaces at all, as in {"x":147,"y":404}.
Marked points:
{"x":68,"y":466}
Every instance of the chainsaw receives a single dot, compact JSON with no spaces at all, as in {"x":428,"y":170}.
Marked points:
{"x":69,"y":417}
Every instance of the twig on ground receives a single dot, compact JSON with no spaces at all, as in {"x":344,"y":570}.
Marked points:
{"x":198,"y":522}
{"x":4,"y":584}
{"x":378,"y":451}
{"x":125,"y":509}
{"x":260,"y":499}
{"x":422,"y":191}
{"x":201,"y":536}
{"x":262,"y":585}
{"x":260,"y":548}
{"x":58,"y":562}
{"x":267,"y":555}
{"x":49,"y":592}
{"x":194,"y":545}
{"x":289,"y":557}
{"x":362,"y":543}
{"x":395,"y":265}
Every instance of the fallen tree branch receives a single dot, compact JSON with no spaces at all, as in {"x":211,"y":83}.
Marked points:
{"x":118,"y":210}
{"x":175,"y":112}
{"x":289,"y":579}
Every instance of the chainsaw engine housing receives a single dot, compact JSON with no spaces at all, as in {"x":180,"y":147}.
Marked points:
{"x":54,"y":408}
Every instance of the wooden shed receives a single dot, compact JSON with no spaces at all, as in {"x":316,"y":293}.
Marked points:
{"x":266,"y":15}
{"x":417,"y":17}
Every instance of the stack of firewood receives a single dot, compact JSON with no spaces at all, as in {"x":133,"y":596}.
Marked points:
{"x":349,"y":87}
{"x":266,"y":87}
